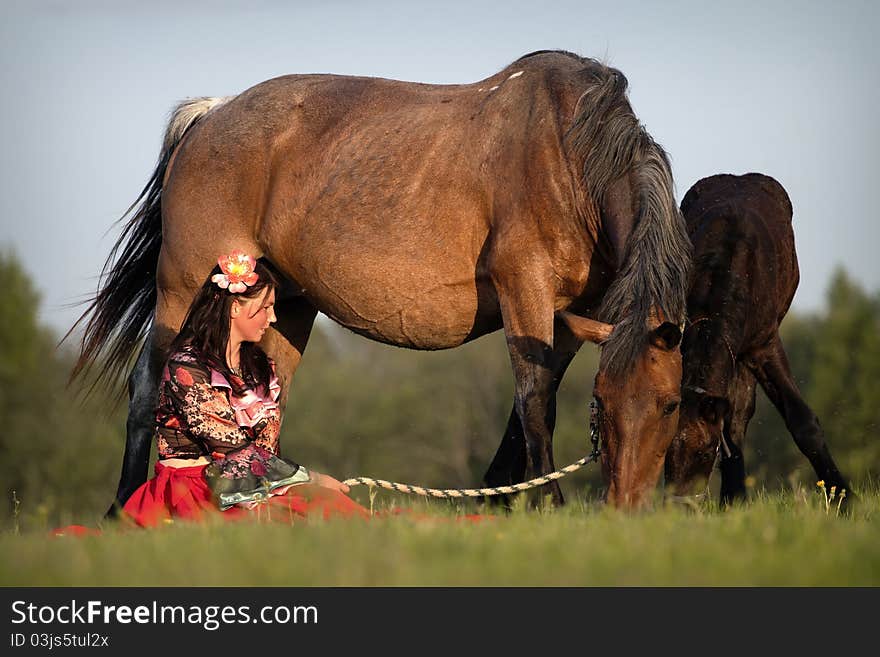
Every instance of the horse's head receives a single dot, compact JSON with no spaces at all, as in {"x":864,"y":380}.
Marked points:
{"x":638,"y":407}
{"x":709,"y":367}
{"x":692,"y":453}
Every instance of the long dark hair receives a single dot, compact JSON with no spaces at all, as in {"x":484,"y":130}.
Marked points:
{"x":206,"y":327}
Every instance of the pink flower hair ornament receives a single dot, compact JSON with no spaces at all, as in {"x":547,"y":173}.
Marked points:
{"x":238,"y":272}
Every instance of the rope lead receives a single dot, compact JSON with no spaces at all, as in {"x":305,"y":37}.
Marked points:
{"x":456,"y":493}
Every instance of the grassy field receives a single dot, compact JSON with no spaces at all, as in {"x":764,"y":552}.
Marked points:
{"x":779,"y":539}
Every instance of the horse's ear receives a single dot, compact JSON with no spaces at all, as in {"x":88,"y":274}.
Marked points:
{"x":587,"y":330}
{"x":667,"y":336}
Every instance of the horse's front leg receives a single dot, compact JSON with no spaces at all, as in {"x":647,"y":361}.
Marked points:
{"x":732,"y":465}
{"x":774,"y":375}
{"x":509,"y":465}
{"x":527,"y":311}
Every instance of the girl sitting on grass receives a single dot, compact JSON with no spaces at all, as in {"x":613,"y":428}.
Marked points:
{"x":218,"y":420}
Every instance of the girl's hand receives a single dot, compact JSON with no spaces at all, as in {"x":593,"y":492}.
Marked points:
{"x":320,"y":479}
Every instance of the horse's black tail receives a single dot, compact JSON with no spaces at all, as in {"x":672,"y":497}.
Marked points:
{"x":653,"y":276}
{"x":121,"y":312}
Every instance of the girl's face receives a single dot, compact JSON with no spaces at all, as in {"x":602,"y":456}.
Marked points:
{"x":251,"y":317}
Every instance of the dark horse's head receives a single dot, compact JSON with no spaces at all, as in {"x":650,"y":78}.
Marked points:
{"x":708,"y":370}
{"x":638,"y":407}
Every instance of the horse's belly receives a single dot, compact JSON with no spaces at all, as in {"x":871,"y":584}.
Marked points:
{"x":395,"y":262}
{"x":395,"y":305}
{"x":403,"y":285}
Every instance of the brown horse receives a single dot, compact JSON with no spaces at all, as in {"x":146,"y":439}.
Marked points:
{"x":744,"y":277}
{"x":423,"y":216}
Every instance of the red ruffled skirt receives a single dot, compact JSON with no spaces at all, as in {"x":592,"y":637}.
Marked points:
{"x":183,"y":494}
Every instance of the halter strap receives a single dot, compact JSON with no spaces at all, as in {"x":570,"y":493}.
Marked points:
{"x":723,"y":339}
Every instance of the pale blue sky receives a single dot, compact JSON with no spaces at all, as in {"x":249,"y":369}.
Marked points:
{"x":790,"y":89}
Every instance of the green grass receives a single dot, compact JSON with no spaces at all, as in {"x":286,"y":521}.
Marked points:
{"x":784,"y":539}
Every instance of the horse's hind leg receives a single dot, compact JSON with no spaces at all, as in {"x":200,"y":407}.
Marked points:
{"x":142,"y":383}
{"x":774,"y":375}
{"x":732,"y":466}
{"x":286,"y":341}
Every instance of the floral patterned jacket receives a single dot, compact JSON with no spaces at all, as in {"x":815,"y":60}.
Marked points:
{"x":203,"y":412}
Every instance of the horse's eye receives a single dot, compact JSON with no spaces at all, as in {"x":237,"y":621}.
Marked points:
{"x":670,"y":408}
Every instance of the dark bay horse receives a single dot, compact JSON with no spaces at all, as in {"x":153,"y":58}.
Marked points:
{"x":423,"y":216}
{"x":744,"y":276}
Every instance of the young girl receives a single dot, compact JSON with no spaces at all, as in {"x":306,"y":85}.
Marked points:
{"x":218,"y":420}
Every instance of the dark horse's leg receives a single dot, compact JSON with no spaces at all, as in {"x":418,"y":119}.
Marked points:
{"x":774,"y":375}
{"x":733,"y":473}
{"x":509,"y":464}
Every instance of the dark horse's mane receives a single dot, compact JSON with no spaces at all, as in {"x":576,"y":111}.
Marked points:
{"x":608,"y":141}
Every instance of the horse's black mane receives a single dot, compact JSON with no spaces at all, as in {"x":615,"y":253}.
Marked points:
{"x":554,"y":52}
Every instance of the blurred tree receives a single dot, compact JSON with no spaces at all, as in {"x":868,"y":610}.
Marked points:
{"x":24,"y":344}
{"x":60,"y":456}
